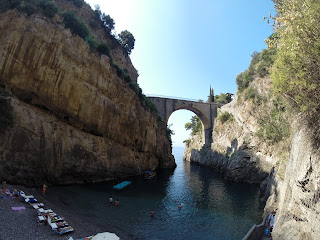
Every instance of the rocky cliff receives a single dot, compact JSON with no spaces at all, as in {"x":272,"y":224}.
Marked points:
{"x":288,"y":170}
{"x":75,"y":120}
{"x":297,"y":194}
{"x":234,"y":151}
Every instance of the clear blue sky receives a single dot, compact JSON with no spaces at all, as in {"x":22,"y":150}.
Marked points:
{"x":184,"y":46}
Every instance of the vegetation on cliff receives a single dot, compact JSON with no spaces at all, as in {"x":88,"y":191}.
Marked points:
{"x":273,"y":123}
{"x":259,"y":67}
{"x":295,"y":72}
{"x":194,"y":125}
{"x":222,"y":98}
{"x":225,"y":116}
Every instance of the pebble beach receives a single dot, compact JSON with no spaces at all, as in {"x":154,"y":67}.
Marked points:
{"x":23,"y":224}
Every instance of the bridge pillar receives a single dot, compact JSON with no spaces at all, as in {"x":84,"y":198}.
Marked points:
{"x":208,"y":136}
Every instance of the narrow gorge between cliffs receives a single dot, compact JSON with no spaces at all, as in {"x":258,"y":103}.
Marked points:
{"x":212,"y":207}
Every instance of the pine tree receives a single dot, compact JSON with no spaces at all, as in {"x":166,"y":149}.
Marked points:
{"x":211,"y":96}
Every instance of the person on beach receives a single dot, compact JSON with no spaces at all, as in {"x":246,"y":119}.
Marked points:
{"x":271,"y":220}
{"x":4,"y":186}
{"x":117,"y":202}
{"x":15,"y":192}
{"x":110,"y":200}
{"x":152,"y":213}
{"x":44,"y":189}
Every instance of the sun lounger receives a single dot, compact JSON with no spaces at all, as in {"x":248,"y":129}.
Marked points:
{"x":61,"y":224}
{"x":61,"y":227}
{"x":30,"y":200}
{"x":41,"y":219}
{"x":36,"y":205}
{"x":41,"y":210}
{"x":51,"y":224}
{"x":64,"y":230}
{"x":26,"y":196}
{"x":58,"y":224}
{"x":47,"y":211}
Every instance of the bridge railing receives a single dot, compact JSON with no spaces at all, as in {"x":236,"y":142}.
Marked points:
{"x":170,"y":97}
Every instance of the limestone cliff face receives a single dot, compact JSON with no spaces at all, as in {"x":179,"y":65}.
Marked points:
{"x":118,"y":54}
{"x":289,"y":175}
{"x":235,"y":150}
{"x":75,"y":120}
{"x":297,"y":195}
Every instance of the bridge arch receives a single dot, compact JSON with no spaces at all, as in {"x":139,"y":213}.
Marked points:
{"x":205,"y":121}
{"x":207,"y":112}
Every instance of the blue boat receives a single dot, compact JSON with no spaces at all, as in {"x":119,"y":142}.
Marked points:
{"x":121,"y":185}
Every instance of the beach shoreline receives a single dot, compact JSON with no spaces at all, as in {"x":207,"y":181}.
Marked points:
{"x":23,"y":224}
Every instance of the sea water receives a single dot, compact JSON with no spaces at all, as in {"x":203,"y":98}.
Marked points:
{"x":212,"y":207}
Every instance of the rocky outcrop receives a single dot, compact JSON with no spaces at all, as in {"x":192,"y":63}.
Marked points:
{"x":236,"y":151}
{"x":75,"y":119}
{"x":297,"y":195}
{"x":288,"y":170}
{"x":229,"y":154}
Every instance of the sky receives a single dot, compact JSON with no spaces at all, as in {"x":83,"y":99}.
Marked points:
{"x":182,"y":47}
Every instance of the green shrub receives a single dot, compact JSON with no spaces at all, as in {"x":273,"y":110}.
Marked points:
{"x":259,"y":65}
{"x":9,"y":4}
{"x":6,"y":115}
{"x":250,"y":93}
{"x":14,"y":3}
{"x":222,"y":98}
{"x":243,"y":79}
{"x":267,"y":57}
{"x":76,"y":25}
{"x":93,"y":44}
{"x":77,"y":3}
{"x":135,"y":87}
{"x":273,"y":125}
{"x":28,"y":8}
{"x":225,"y":116}
{"x":93,"y":24}
{"x":49,"y":8}
{"x":263,"y":69}
{"x":187,"y":142}
{"x":4,"y":5}
{"x":170,"y":133}
{"x":150,"y":105}
{"x":103,"y":49}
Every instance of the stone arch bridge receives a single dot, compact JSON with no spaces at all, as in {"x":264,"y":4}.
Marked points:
{"x":207,"y":112}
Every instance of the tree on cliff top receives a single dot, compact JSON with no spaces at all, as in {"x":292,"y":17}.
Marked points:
{"x":127,"y":41}
{"x":211,"y":96}
{"x":108,"y":22}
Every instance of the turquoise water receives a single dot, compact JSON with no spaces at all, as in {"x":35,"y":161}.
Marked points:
{"x":212,"y":208}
